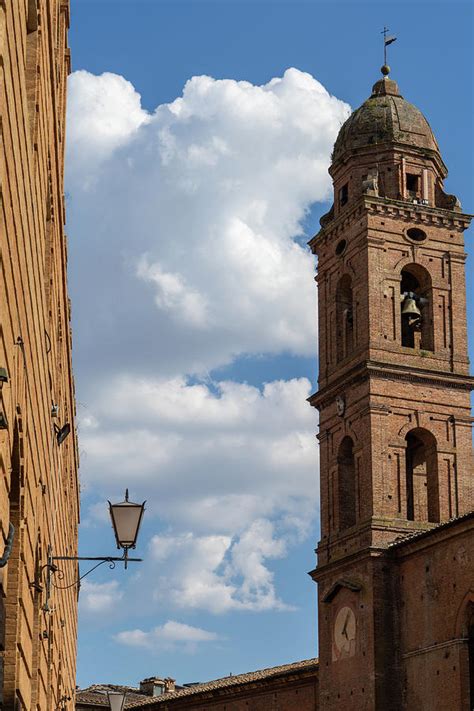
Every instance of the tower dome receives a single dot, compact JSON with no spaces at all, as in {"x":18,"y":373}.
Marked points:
{"x":385,"y":118}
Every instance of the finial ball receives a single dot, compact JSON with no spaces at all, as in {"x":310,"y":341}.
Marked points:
{"x":385,"y":70}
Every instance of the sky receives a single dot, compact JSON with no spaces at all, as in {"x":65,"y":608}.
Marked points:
{"x":198,"y":141}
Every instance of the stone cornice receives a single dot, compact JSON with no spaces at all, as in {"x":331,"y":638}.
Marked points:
{"x":402,"y":209}
{"x":418,"y":375}
{"x":341,"y":562}
{"x":388,"y":371}
{"x":417,"y":213}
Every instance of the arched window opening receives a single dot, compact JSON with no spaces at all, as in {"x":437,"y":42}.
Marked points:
{"x":344,"y":318}
{"x":344,"y":195}
{"x":416,"y":308}
{"x":422,"y":476}
{"x":412,"y":184}
{"x":341,"y":247}
{"x":346,"y":484}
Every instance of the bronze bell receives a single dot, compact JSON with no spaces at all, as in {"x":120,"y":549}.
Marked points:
{"x":410,"y":310}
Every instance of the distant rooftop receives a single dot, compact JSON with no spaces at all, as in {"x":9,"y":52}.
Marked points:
{"x":230,"y":681}
{"x":96,"y":695}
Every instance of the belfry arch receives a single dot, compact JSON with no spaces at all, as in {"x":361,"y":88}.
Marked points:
{"x":422,"y":486}
{"x":416,"y":292}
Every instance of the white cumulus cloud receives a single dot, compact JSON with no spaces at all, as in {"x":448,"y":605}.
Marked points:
{"x":186,"y":253}
{"x":110,"y":112}
{"x":228,"y":467}
{"x":167,"y":636}
{"x":212,"y":456}
{"x":218,"y":573}
{"x":186,"y":220}
{"x":100,"y":597}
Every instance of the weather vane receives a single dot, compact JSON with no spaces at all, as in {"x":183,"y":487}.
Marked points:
{"x":387,"y":39}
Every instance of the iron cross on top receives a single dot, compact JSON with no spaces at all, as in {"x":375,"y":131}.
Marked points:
{"x":387,"y":39}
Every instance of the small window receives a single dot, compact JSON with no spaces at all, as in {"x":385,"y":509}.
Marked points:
{"x":413,"y":184}
{"x":344,"y":194}
{"x":416,"y":234}
{"x":340,"y":247}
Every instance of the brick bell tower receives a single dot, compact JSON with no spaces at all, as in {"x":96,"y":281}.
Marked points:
{"x":394,"y":384}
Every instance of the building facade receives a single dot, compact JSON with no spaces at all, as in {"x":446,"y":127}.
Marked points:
{"x":395,"y":561}
{"x":39,"y":507}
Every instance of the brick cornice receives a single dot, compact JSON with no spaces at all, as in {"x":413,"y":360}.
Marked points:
{"x":402,"y":209}
{"x":417,"y":213}
{"x":362,"y":371}
{"x":343,"y":563}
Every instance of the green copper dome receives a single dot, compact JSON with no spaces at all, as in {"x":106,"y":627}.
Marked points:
{"x":384,"y":118}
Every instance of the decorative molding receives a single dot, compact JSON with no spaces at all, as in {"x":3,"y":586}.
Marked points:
{"x":435,"y":647}
{"x":388,"y":371}
{"x":418,"y":214}
{"x":338,"y":585}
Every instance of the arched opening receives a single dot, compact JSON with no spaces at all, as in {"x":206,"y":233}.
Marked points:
{"x":344,"y":318}
{"x":416,"y":308}
{"x":346,"y":484}
{"x":422,"y":476}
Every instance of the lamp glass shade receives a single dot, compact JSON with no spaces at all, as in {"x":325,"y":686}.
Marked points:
{"x":126,"y":519}
{"x":116,"y":700}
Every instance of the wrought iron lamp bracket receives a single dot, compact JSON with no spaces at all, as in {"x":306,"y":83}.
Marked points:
{"x":53,"y":570}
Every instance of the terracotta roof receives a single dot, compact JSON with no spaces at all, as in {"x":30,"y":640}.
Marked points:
{"x":96,"y":695}
{"x":410,"y":537}
{"x":227,"y":682}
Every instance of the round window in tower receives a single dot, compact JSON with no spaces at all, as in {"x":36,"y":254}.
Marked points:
{"x":340,"y":247}
{"x":415,"y":234}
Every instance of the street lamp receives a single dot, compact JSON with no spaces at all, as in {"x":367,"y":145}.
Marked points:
{"x":116,"y":700}
{"x":126,"y":519}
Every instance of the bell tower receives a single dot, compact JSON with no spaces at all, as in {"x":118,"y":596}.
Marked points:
{"x":394,"y":384}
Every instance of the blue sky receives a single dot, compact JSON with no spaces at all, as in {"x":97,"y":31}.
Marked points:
{"x":192,"y":289}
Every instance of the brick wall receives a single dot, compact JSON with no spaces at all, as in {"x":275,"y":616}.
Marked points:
{"x":434,"y":601}
{"x":38,"y":478}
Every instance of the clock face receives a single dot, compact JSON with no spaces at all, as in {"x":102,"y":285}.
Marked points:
{"x":345,"y":633}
